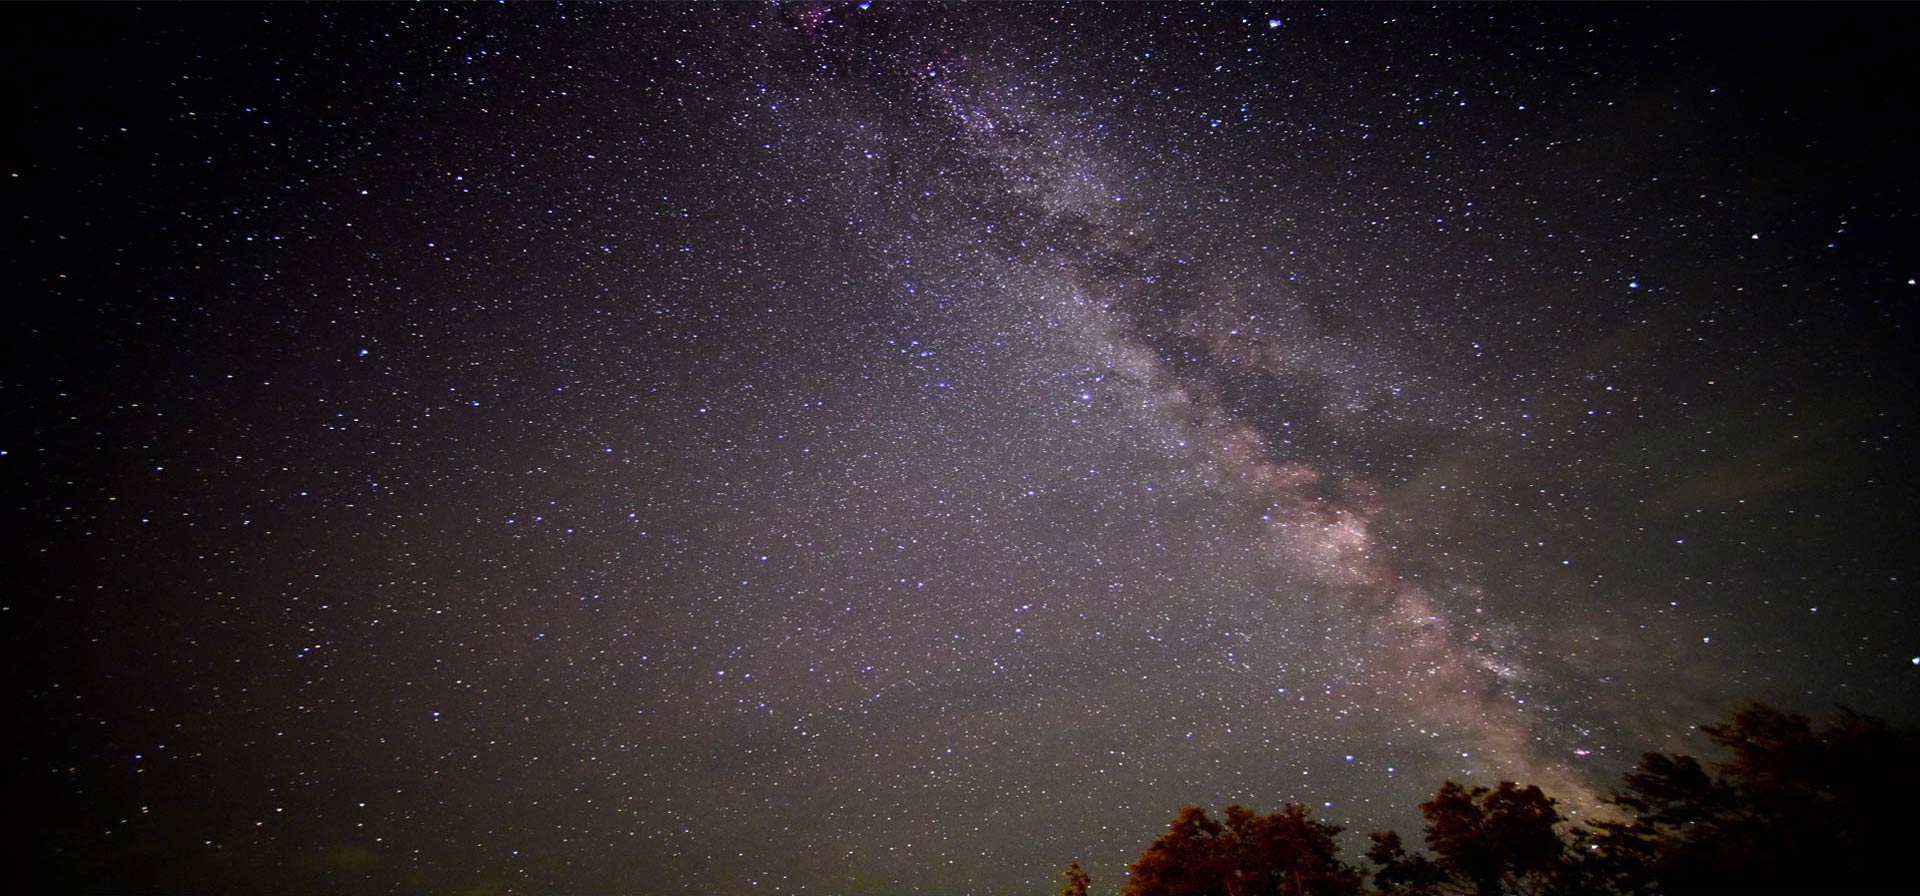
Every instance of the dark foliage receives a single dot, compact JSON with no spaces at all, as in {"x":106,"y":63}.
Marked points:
{"x":1788,"y":808}
{"x":1077,"y":880}
{"x":1484,"y":842}
{"x":1286,"y":853}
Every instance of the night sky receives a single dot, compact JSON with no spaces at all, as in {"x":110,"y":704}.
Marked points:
{"x":832,"y":449}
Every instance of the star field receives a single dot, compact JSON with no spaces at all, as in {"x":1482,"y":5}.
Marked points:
{"x":886,"y":448}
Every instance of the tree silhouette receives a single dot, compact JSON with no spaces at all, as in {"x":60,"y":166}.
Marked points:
{"x":1184,"y":861}
{"x":1286,"y":853}
{"x":1484,"y":843}
{"x":1789,"y":808}
{"x":1077,"y":880}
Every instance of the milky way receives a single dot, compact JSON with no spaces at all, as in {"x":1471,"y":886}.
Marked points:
{"x":867,"y":449}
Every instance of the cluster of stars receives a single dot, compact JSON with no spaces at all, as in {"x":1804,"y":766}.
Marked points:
{"x":861,"y":449}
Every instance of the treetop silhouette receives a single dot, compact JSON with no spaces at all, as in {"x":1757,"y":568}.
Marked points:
{"x":1788,"y":807}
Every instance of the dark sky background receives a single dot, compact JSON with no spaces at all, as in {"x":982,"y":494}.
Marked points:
{"x":815,"y":449}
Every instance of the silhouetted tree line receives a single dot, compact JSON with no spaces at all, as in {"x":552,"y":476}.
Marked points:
{"x":1788,"y":808}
